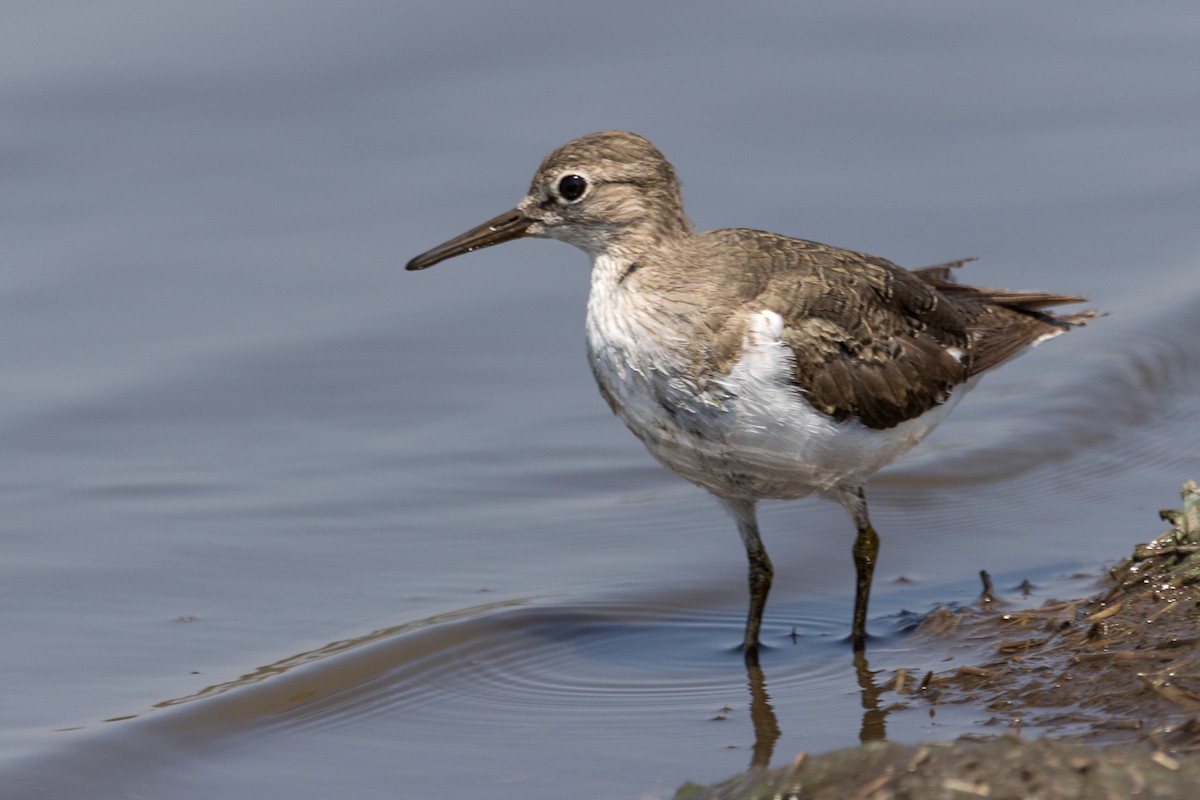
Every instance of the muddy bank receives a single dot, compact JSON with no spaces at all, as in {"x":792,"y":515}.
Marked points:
{"x":999,"y":769}
{"x":1112,"y":681}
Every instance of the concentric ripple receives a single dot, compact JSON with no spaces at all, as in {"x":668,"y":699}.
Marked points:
{"x":619,"y":659}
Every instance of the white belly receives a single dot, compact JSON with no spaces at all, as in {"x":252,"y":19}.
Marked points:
{"x":749,"y":434}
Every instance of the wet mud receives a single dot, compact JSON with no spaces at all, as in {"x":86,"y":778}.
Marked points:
{"x":1110,"y":684}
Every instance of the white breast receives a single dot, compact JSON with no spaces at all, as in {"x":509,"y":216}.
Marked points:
{"x":748,"y":434}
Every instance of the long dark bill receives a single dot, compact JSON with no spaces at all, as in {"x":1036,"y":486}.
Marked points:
{"x":509,"y":225}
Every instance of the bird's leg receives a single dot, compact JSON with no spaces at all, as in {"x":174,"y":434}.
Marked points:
{"x":866,"y":552}
{"x":743,"y":512}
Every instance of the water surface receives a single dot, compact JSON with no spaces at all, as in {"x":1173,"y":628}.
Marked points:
{"x":282,"y":520}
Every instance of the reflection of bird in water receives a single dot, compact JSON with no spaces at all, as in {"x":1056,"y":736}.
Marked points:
{"x":766,"y":725}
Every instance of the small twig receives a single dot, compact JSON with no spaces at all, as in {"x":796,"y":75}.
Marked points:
{"x":987,"y":597}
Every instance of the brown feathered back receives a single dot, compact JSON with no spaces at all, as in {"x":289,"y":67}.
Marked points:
{"x":878,"y":343}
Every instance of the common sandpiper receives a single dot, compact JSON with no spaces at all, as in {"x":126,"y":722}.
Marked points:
{"x":756,"y":365}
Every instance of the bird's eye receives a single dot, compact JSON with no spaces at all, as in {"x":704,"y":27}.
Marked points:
{"x":572,"y":187}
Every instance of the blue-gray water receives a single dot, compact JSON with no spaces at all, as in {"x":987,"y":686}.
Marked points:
{"x":283,"y":521}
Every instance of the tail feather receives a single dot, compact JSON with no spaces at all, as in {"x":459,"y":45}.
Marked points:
{"x":1003,"y":323}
